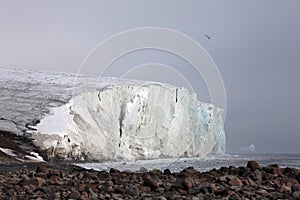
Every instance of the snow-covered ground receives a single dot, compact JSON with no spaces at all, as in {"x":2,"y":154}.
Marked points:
{"x":108,"y":119}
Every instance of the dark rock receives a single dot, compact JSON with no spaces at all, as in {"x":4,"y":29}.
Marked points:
{"x":243,"y":171}
{"x":236,"y":182}
{"x":153,"y":183}
{"x":274,"y":169}
{"x":42,"y":169}
{"x":249,"y":181}
{"x":188,"y":182}
{"x":42,"y":175}
{"x":12,"y":181}
{"x":155,"y":172}
{"x":253,"y":165}
{"x":285,"y":188}
{"x":160,"y":190}
{"x":291,"y":172}
{"x":262,"y":192}
{"x":256,"y":176}
{"x":54,"y":172}
{"x":132,"y":190}
{"x":104,"y":175}
{"x":232,"y":195}
{"x":224,"y":170}
{"x":296,"y":187}
{"x":218,"y":190}
{"x":145,"y":189}
{"x":112,"y":171}
{"x":75,"y":194}
{"x":143,"y":170}
{"x":289,"y":181}
{"x":120,"y":189}
{"x":227,"y":178}
{"x":167,"y":172}
{"x":296,"y":194}
{"x":54,"y":180}
{"x":189,"y":170}
{"x":37,"y":181}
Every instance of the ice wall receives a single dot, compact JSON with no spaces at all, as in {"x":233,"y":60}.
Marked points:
{"x":132,"y":121}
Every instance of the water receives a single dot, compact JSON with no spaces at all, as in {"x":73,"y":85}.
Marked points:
{"x":200,"y":164}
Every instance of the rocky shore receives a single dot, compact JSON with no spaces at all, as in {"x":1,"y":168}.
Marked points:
{"x":65,"y":181}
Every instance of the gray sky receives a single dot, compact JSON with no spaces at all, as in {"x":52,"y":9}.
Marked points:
{"x":255,"y":45}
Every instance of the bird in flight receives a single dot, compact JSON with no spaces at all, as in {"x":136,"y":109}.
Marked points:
{"x":208,"y":37}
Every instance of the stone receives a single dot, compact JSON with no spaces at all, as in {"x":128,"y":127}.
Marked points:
{"x":188,"y":182}
{"x":243,"y":171}
{"x":218,"y":190}
{"x":143,"y":170}
{"x":274,"y":169}
{"x":296,"y":194}
{"x":132,"y":190}
{"x":160,"y":190}
{"x":296,"y":187}
{"x":253,"y":165}
{"x":189,"y":170}
{"x":12,"y":181}
{"x":80,"y":176}
{"x":75,"y":194}
{"x":149,"y":181}
{"x":37,"y":181}
{"x":57,"y":195}
{"x":145,"y":189}
{"x":156,"y":172}
{"x":54,"y":180}
{"x":249,"y":181}
{"x":224,"y":170}
{"x":227,"y":178}
{"x":285,"y":188}
{"x":290,"y":181}
{"x":256,"y":176}
{"x":291,"y":172}
{"x":54,"y":172}
{"x":167,"y":172}
{"x":42,"y":169}
{"x":236,"y":182}
{"x":42,"y":175}
{"x":262,"y":192}
{"x":112,"y":170}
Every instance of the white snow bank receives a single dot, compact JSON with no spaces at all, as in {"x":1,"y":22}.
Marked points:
{"x":129,"y":122}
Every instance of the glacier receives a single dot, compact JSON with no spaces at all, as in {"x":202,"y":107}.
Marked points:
{"x":77,"y":117}
{"x":132,"y":120}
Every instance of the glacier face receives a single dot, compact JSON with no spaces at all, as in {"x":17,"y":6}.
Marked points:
{"x":127,"y":120}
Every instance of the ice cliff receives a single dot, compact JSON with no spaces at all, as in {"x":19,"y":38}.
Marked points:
{"x":125,"y":120}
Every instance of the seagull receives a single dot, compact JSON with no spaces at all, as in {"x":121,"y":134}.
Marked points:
{"x":208,"y":37}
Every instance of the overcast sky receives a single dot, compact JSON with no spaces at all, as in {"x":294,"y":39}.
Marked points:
{"x":255,"y":45}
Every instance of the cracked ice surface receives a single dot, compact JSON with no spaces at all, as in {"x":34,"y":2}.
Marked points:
{"x":109,"y":119}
